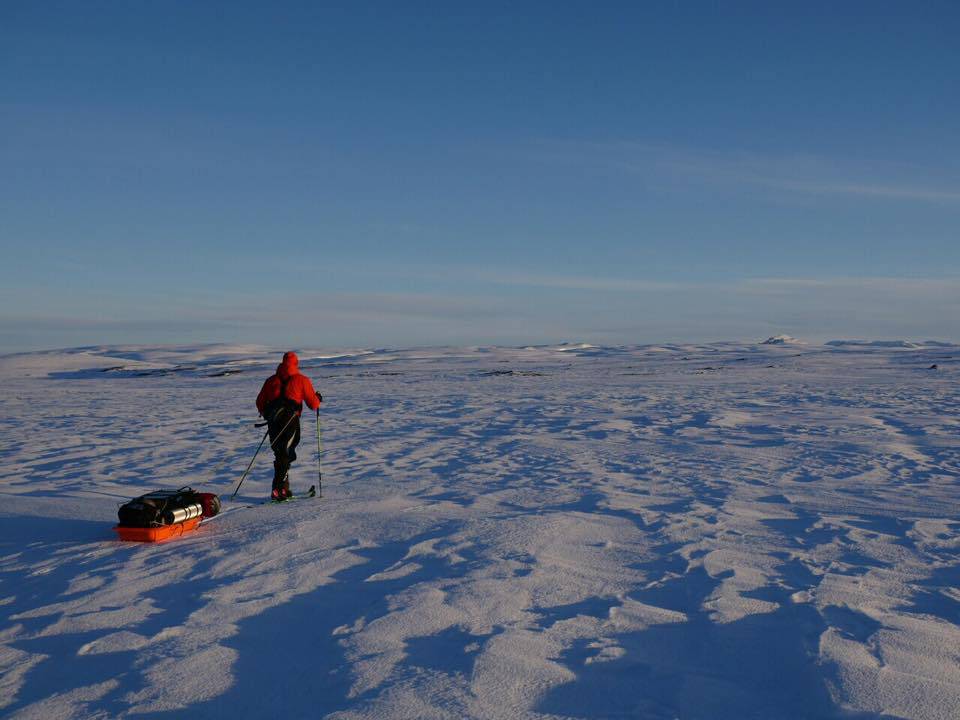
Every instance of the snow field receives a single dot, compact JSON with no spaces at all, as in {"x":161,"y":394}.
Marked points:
{"x":697,"y":532}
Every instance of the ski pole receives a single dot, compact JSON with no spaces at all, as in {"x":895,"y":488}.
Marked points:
{"x":319,"y":455}
{"x":250,"y":465}
{"x":272,"y":443}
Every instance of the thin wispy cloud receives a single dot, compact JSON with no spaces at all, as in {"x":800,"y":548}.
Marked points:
{"x":826,"y":187}
{"x":596,"y":309}
{"x":578,"y":282}
{"x":930,"y":287}
{"x":794,"y":173}
{"x":940,"y":289}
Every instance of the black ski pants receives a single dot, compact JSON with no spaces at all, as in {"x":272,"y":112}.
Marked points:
{"x":284,"y":427}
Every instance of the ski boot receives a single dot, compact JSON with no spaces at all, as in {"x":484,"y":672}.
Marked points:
{"x":279,"y":480}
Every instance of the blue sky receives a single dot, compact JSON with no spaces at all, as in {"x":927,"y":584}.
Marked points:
{"x":312,"y":174}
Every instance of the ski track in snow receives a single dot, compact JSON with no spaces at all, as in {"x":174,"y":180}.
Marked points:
{"x":696,"y":532}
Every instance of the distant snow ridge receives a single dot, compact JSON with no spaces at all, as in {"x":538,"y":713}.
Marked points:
{"x":781,"y":340}
{"x":876,"y":343}
{"x":567,"y":347}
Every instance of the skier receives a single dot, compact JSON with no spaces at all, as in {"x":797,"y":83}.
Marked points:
{"x":281,"y":401}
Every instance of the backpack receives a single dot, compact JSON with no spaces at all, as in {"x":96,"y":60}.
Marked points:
{"x":281,"y":402}
{"x":165,"y":507}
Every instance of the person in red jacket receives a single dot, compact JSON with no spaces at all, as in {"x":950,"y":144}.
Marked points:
{"x":281,"y":401}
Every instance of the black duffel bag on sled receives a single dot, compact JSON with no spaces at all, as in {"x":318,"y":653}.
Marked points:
{"x":165,"y":507}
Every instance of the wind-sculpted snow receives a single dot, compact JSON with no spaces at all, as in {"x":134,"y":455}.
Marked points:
{"x":696,"y":532}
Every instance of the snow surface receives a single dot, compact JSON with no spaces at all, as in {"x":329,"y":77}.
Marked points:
{"x":696,"y":532}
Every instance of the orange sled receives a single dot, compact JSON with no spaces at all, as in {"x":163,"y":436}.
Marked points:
{"x":157,"y":534}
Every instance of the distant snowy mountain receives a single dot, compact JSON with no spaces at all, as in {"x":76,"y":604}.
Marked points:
{"x":782,"y":340}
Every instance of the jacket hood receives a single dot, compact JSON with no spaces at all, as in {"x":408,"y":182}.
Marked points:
{"x":289,"y":367}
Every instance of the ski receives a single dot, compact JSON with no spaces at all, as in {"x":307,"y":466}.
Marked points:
{"x":311,"y":493}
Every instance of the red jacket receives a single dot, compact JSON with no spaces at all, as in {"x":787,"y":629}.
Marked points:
{"x":299,"y":388}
